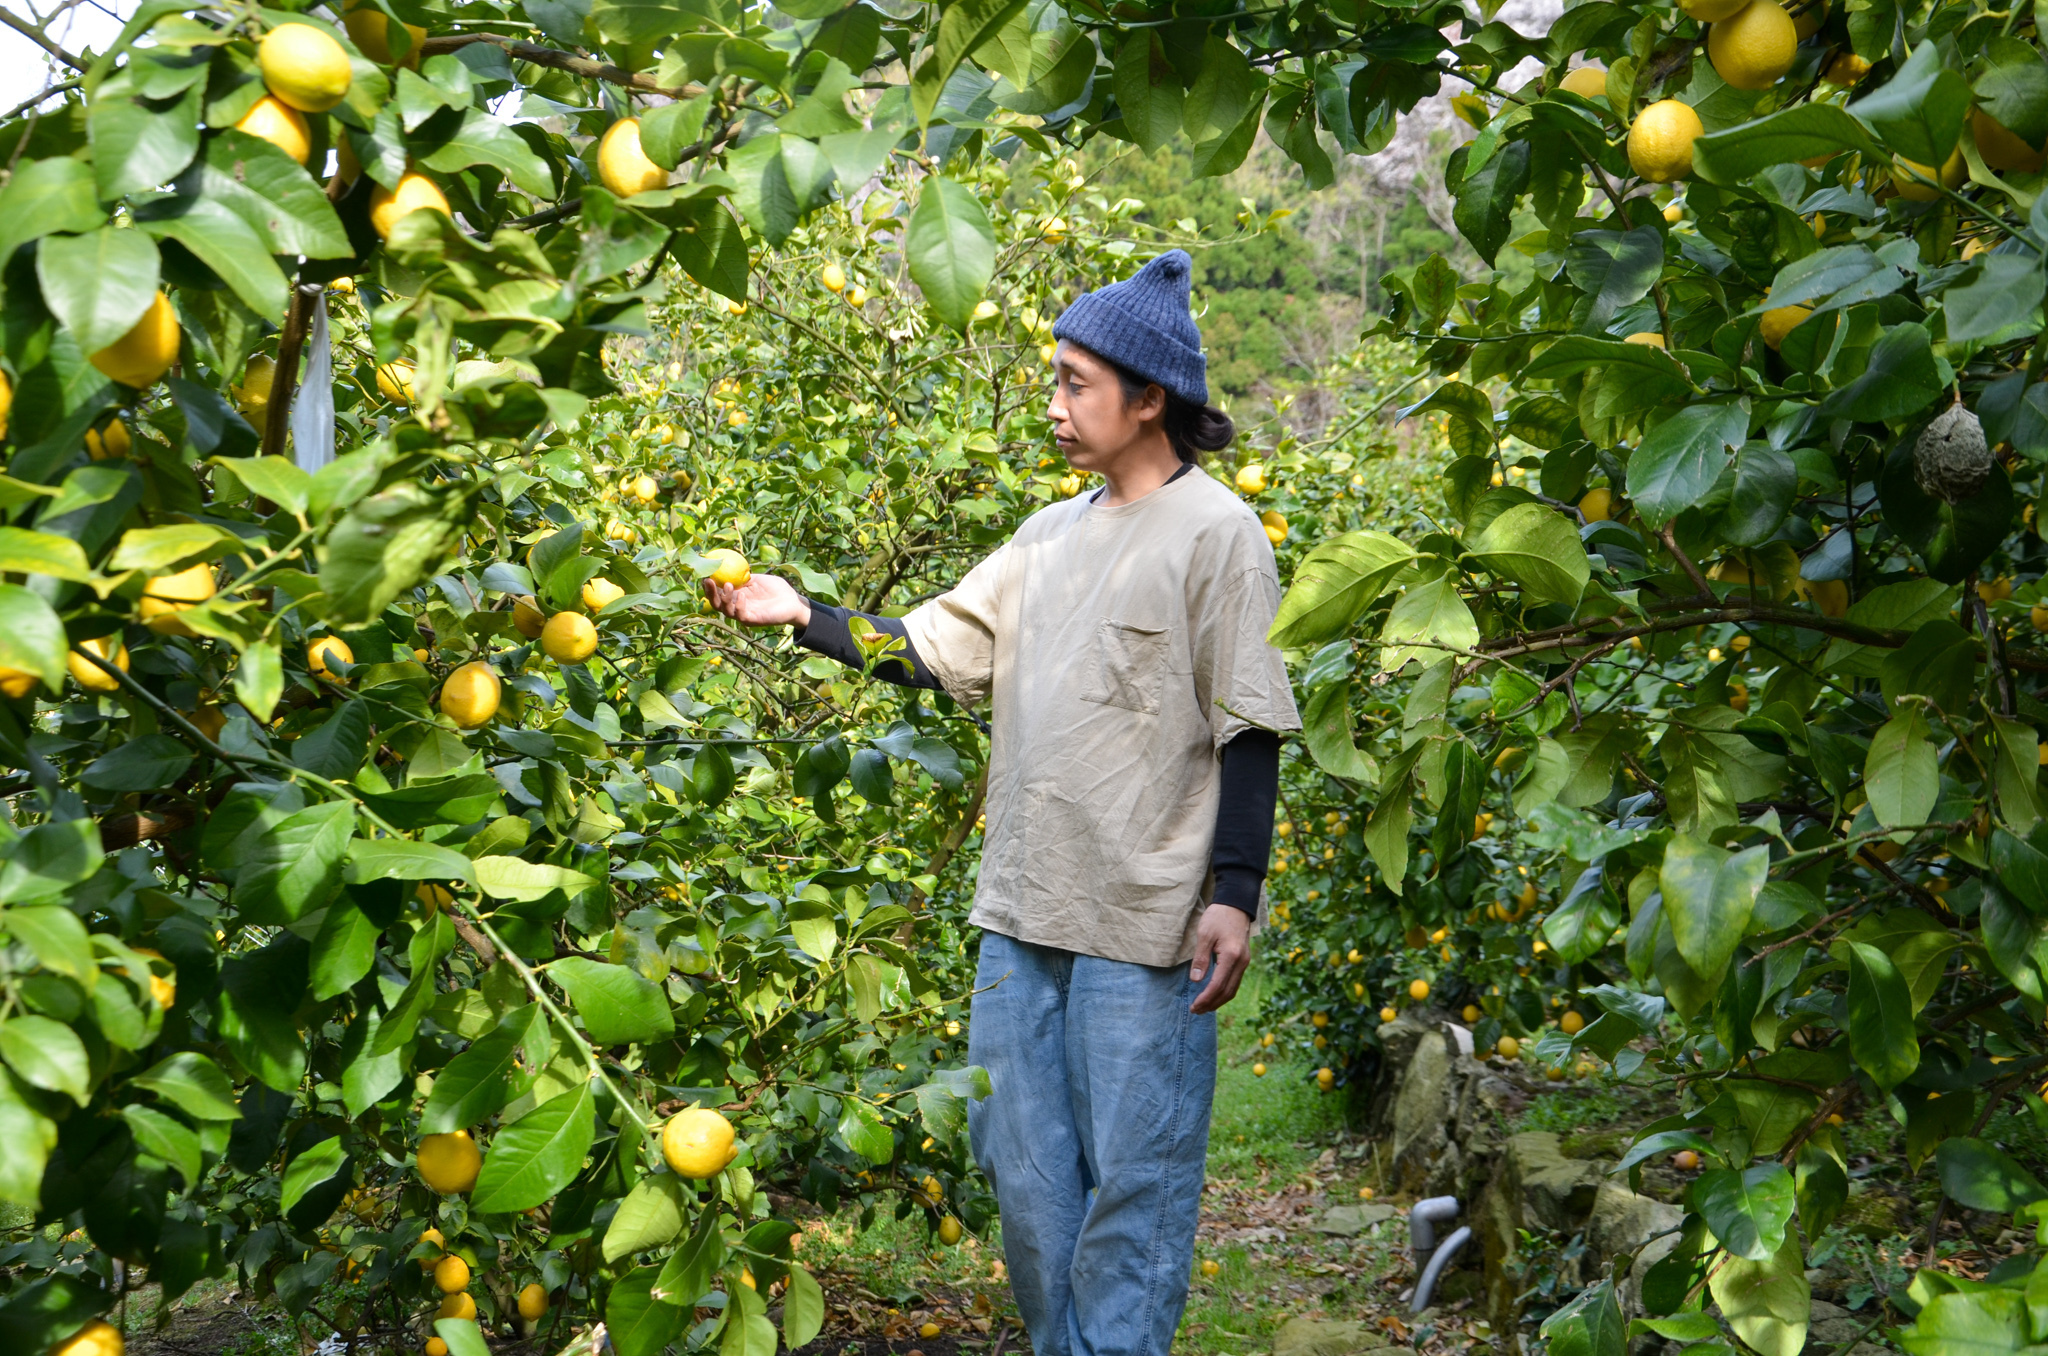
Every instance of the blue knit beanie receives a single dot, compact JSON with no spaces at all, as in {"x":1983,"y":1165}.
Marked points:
{"x":1143,"y":325}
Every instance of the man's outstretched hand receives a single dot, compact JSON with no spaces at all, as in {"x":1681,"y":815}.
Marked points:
{"x":1224,"y":936}
{"x":763,"y":600}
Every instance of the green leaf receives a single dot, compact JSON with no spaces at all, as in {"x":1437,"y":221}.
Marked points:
{"x":48,"y":1055}
{"x":55,"y":934}
{"x":385,"y":545}
{"x":344,"y":950}
{"x":1484,"y":205}
{"x":172,"y":1141}
{"x":1326,"y":728}
{"x":1881,"y":1033}
{"x":463,"y":1336}
{"x":484,"y":1077}
{"x":1902,"y":775}
{"x":537,"y":1155}
{"x":1981,"y":1176}
{"x":26,"y":552}
{"x":1919,"y":111}
{"x":294,"y":867}
{"x":2011,"y":84}
{"x":951,"y":247}
{"x":32,"y":636}
{"x":1767,"y":1303}
{"x":272,"y":192}
{"x":1334,"y":585}
{"x":864,"y":1133}
{"x":640,"y":1324}
{"x":965,"y":25}
{"x":47,"y":195}
{"x":651,"y":1215}
{"x":48,"y":1310}
{"x":815,"y":934}
{"x":1425,"y":621}
{"x":260,"y":995}
{"x":1801,"y":132}
{"x":618,"y":1006}
{"x":402,"y":859}
{"x":1971,"y":1323}
{"x":1614,"y":269}
{"x":225,"y":242}
{"x":692,"y":1269}
{"x":1538,"y":548}
{"x":136,"y":148}
{"x":1147,"y":90}
{"x":277,"y":479}
{"x":192,"y":1083}
{"x":1747,"y":1210}
{"x":803,"y":1309}
{"x":526,"y":882}
{"x":1680,"y":459}
{"x":145,"y":763}
{"x":1902,"y":379}
{"x":1997,"y":292}
{"x":322,"y":1163}
{"x":259,"y":678}
{"x":482,"y":139}
{"x":1708,"y":895}
{"x":98,"y":285}
{"x":747,"y":1329}
{"x":158,"y":550}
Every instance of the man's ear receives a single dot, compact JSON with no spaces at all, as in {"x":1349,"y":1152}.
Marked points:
{"x":1152,"y":404}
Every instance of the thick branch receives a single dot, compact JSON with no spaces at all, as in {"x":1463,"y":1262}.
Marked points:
{"x":277,"y":418}
{"x":561,"y":61}
{"x":36,"y":36}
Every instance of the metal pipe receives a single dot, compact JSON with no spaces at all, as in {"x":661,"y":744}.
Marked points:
{"x":1438,"y":1260}
{"x":1423,"y":1217}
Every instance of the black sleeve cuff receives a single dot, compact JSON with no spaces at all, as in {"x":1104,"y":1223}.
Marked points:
{"x":1244,"y":818}
{"x":831,"y":634}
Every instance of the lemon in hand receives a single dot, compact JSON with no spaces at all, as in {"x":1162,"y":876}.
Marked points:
{"x":449,"y":1163}
{"x":622,"y":166}
{"x":568,"y":638}
{"x":732,"y":566}
{"x":1660,"y":140}
{"x":697,"y":1143}
{"x":471,"y":695}
{"x":1755,"y":48}
{"x":304,"y":66}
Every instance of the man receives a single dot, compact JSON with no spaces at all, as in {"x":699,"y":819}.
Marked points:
{"x":1133,"y":769}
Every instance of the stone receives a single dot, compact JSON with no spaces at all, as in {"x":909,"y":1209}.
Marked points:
{"x":1557,"y":1192}
{"x":1624,"y":1224}
{"x":1832,"y":1327}
{"x":1349,"y":1221}
{"x":1324,"y":1337}
{"x":1421,"y":1109}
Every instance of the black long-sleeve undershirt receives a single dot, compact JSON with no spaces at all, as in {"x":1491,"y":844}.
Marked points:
{"x":1251,"y":761}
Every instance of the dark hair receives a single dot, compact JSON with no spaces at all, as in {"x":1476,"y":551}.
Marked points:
{"x":1192,"y":429}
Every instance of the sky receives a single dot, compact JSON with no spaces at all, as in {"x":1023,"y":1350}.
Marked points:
{"x":24,"y":67}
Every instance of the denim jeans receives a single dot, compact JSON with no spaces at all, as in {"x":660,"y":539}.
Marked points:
{"x":1095,"y":1138}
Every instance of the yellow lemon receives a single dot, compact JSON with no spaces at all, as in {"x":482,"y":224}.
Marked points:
{"x":16,"y":683}
{"x":164,"y":597}
{"x":1471,"y":1014}
{"x":1326,"y":1078}
{"x":1954,"y":171}
{"x":834,"y":277}
{"x":1754,"y":49}
{"x":1780,"y":321}
{"x":1712,"y":11}
{"x":449,"y":1163}
{"x":415,"y":193}
{"x":451,"y":1274}
{"x":1319,"y":1020}
{"x":622,"y":166}
{"x":1660,"y":140}
{"x":2002,"y":148}
{"x":568,"y":638}
{"x":90,"y":675}
{"x":458,"y":1305}
{"x":1251,"y":479}
{"x":533,"y":1302}
{"x":97,"y":1338}
{"x":433,"y":898}
{"x":1807,"y":22}
{"x":278,"y":123}
{"x":527,"y":618}
{"x":1647,"y":338}
{"x":304,"y":66}
{"x":6,"y":401}
{"x":646,"y":489}
{"x":1674,"y":214}
{"x":471,"y":695}
{"x":435,"y":1347}
{"x":1588,"y":82}
{"x":1211,"y":1267}
{"x":1276,"y":525}
{"x":1070,"y":485}
{"x":394,"y":381}
{"x":370,"y":31}
{"x":1508,"y":1047}
{"x":1388,"y":1014}
{"x":108,"y":443}
{"x":433,"y":1236}
{"x":1598,"y":505}
{"x":600,"y":591}
{"x":949,"y":1231}
{"x":147,"y":351}
{"x":732,"y":566}
{"x":1848,"y":68}
{"x":259,"y":374}
{"x":1571,"y":1023}
{"x":1418,"y":989}
{"x":697,"y":1143}
{"x":1258,"y":1071}
{"x":325,"y":649}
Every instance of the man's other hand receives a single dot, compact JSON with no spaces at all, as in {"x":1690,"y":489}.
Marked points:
{"x":763,"y":600}
{"x":1224,"y":936}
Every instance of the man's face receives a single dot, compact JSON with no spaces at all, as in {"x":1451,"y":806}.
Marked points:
{"x":1091,"y":421}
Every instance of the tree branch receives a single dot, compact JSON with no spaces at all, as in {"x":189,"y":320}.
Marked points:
{"x":36,"y":36}
{"x":559,"y":61}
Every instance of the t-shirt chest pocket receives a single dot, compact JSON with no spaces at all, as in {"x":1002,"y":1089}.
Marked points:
{"x":1131,"y":663}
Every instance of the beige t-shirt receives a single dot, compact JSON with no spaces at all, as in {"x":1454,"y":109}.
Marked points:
{"x":1121,"y":648}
